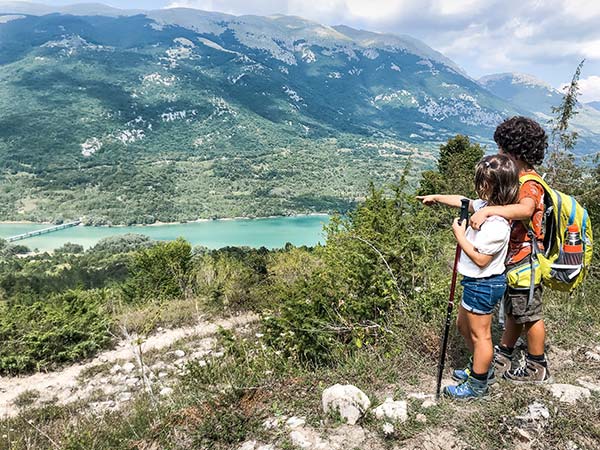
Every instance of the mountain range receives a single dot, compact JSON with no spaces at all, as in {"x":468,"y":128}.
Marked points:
{"x":176,"y":114}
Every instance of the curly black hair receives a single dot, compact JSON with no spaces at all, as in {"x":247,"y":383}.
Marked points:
{"x":523,"y":138}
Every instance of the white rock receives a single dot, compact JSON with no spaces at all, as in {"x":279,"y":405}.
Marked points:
{"x":179,"y":353}
{"x":422,"y":418}
{"x":248,"y":445}
{"x":162,"y":374}
{"x":218,"y":354}
{"x":265,"y":447}
{"x":588,"y":383}
{"x":420,"y":395}
{"x":166,"y":391}
{"x":535,"y":412}
{"x":128,"y":367}
{"x":387,"y":428}
{"x":124,"y":396}
{"x":132,"y":381}
{"x":568,"y":393}
{"x":392,"y":410}
{"x":428,"y":404}
{"x":348,"y":400}
{"x":308,"y":439}
{"x":115,"y":369}
{"x":592,"y":356}
{"x":273,"y":422}
{"x":295,"y":422}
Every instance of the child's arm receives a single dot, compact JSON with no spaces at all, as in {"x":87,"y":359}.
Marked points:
{"x":449,"y":200}
{"x":479,"y":259}
{"x":518,"y":211}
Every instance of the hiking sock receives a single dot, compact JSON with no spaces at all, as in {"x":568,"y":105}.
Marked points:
{"x":508,"y":351}
{"x":480,"y":376}
{"x":540,"y":359}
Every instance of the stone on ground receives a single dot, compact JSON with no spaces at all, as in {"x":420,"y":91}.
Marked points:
{"x":348,"y":400}
{"x":392,"y":410}
{"x":589,"y":383}
{"x":537,"y":411}
{"x":341,"y":438}
{"x":567,"y":393}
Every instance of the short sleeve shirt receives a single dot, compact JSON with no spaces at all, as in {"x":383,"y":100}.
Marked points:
{"x":520,"y":243}
{"x":492,"y":239}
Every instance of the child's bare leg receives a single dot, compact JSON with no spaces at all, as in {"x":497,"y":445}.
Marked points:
{"x":511,"y":332}
{"x":462,"y":323}
{"x":481,"y":335}
{"x":536,"y":337}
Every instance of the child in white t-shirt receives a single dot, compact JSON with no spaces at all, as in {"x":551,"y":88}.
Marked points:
{"x":481,"y":263}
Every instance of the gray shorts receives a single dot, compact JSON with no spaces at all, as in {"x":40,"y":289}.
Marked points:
{"x":517,"y":304}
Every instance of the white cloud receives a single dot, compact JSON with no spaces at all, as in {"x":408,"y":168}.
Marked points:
{"x":590,"y":88}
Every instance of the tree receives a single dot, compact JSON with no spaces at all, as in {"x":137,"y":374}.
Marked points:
{"x":562,"y":170}
{"x":455,"y":170}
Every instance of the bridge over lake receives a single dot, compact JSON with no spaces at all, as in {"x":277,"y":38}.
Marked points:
{"x":20,"y":237}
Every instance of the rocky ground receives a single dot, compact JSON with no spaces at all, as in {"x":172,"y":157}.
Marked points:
{"x":114,"y":377}
{"x":349,"y":418}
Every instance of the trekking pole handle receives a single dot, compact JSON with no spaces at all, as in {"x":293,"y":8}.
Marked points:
{"x":464,"y":210}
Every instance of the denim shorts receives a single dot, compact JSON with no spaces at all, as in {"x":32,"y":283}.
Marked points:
{"x":481,"y":295}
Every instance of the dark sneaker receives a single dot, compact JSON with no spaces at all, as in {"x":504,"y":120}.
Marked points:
{"x":531,"y":372}
{"x":501,"y":362}
{"x":468,"y":390}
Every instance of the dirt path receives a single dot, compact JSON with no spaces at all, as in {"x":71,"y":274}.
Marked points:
{"x":62,"y":384}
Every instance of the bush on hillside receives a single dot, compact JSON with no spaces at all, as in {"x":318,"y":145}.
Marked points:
{"x":67,"y":327}
{"x":161,"y":272}
{"x":378,"y":262}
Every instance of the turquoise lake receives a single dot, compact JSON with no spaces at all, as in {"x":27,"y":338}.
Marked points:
{"x":267,"y":232}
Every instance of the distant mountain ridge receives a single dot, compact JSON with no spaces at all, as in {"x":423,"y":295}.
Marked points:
{"x":537,"y":98}
{"x":175,"y":114}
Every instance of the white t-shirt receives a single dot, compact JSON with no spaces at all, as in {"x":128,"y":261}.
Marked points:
{"x":492,"y":239}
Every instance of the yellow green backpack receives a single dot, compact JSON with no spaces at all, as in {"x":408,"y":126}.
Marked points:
{"x":554,"y":267}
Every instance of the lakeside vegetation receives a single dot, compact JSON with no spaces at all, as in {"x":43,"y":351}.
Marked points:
{"x":365,"y":308}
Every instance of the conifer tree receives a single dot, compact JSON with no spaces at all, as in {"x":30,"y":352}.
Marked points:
{"x":562,"y":170}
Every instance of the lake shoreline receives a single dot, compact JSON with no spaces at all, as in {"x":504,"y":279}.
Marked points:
{"x":159,"y":223}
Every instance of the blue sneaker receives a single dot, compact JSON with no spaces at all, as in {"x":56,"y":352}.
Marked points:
{"x":461,"y":375}
{"x":468,"y":390}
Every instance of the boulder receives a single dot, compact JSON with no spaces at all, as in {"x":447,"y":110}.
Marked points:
{"x":396,"y":411}
{"x":348,"y":400}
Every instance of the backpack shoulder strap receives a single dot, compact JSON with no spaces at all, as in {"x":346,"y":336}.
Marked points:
{"x":534,"y":177}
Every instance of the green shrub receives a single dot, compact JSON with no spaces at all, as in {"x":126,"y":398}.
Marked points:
{"x":383,"y":260}
{"x":161,"y":272}
{"x":67,"y":327}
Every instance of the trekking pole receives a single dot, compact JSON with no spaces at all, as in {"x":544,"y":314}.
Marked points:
{"x":464,"y":215}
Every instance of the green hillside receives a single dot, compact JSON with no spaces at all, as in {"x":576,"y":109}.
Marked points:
{"x":178,"y":114}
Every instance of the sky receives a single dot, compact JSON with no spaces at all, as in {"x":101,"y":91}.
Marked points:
{"x":544,"y":38}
